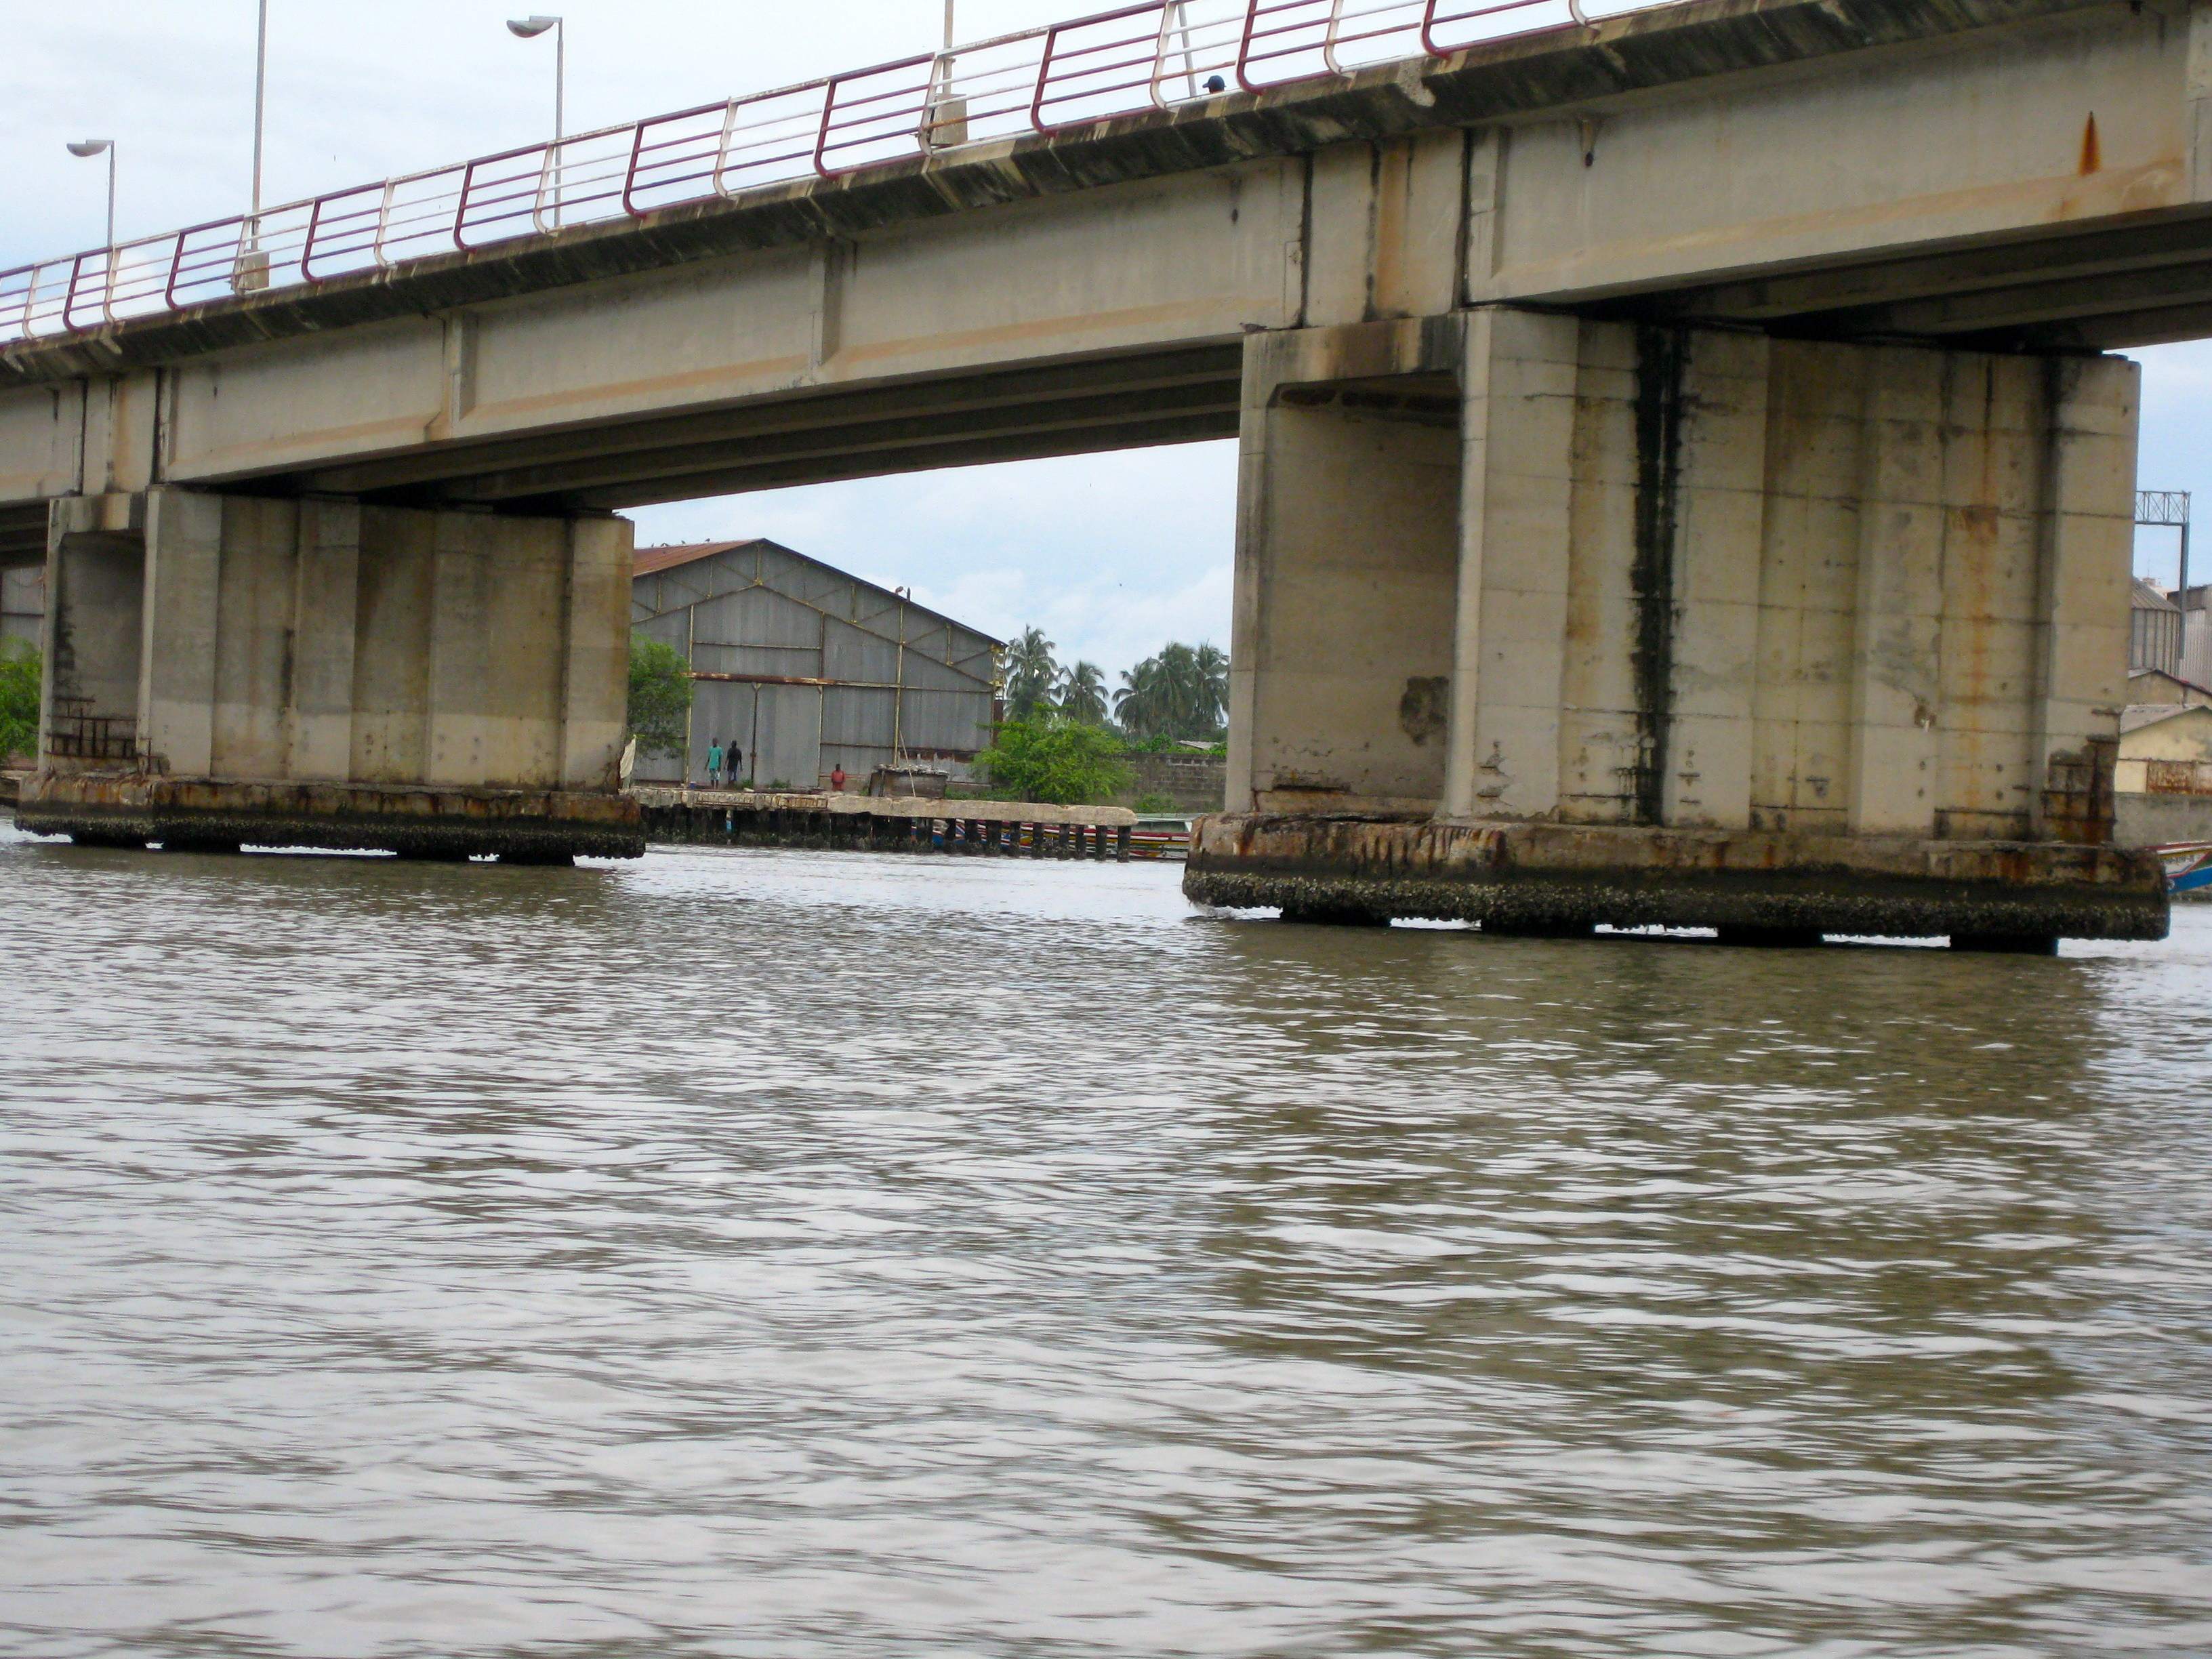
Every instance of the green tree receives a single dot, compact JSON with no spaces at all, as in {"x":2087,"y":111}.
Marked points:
{"x":1032,"y":674}
{"x":1182,"y":693}
{"x":1083,"y":694}
{"x":1210,"y":664}
{"x":19,"y":701}
{"x":1053,"y":758}
{"x":660,"y":696}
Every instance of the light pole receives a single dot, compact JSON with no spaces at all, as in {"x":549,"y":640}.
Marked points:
{"x":946,"y":122}
{"x":249,"y":273}
{"x":529,"y":28}
{"x":88,"y":148}
{"x":260,"y":103}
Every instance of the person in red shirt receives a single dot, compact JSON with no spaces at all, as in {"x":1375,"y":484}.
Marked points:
{"x":837,"y":779}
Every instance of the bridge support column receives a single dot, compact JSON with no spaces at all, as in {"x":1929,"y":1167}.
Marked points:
{"x":1546,"y":622}
{"x":317,"y":672}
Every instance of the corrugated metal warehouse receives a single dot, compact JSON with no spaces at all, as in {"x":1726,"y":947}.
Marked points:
{"x":805,"y":667}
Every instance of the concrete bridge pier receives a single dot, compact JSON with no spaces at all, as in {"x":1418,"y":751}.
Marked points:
{"x":228,"y":669}
{"x":1546,"y":622}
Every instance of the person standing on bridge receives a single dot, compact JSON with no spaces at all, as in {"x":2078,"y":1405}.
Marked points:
{"x":714,"y":764}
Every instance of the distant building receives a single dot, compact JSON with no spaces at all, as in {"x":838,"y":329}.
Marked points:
{"x":2162,"y":782}
{"x":2154,"y":630}
{"x":2197,"y":634}
{"x":806,"y":668}
{"x":2171,"y":632}
{"x":2150,"y":688}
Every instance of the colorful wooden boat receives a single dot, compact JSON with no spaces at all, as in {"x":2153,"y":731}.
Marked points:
{"x":2188,"y":867}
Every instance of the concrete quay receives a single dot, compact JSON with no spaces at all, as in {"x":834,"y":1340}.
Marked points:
{"x":520,"y":826}
{"x":747,"y":817}
{"x":1755,"y":887}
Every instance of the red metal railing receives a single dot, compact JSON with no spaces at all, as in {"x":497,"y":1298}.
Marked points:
{"x":1152,"y":54}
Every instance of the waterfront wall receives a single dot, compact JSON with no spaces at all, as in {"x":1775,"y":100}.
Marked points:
{"x":1196,"y":783}
{"x":2162,"y":820}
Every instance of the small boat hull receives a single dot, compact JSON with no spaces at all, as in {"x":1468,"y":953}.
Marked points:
{"x":2188,"y":868}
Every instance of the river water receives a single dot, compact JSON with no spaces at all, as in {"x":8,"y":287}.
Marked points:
{"x":782,"y":1255}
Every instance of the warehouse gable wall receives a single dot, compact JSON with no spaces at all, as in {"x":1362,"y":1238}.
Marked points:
{"x":891,"y":679}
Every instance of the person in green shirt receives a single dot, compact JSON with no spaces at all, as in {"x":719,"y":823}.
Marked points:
{"x":714,"y":764}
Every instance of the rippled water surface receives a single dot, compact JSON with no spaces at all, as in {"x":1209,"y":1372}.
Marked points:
{"x":790,"y":1254}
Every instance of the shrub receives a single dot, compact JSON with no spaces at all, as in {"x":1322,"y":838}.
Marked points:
{"x":1052,"y":758}
{"x":660,"y":696}
{"x":19,"y":702}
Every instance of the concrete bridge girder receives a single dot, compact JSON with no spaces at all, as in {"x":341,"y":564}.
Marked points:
{"x":2022,"y":173}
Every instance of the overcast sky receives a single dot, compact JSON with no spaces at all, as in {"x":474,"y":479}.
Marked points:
{"x":1112,"y":554}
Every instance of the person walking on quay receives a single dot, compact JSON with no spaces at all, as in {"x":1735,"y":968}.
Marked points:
{"x":714,"y":764}
{"x":737,"y":766}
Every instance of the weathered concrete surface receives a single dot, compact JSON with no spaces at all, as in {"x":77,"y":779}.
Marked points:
{"x":1539,"y":877}
{"x":132,"y":809}
{"x":2162,"y":820}
{"x":1622,"y":576}
{"x":1798,"y":594}
{"x":327,"y":674}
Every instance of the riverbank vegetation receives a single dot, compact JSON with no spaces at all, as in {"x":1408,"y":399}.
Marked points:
{"x":1065,"y":730}
{"x":660,"y":696}
{"x":1048,"y":756}
{"x":1180,"y":695}
{"x":19,"y":702}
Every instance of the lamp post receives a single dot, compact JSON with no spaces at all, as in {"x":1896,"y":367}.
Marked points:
{"x":946,"y":119}
{"x":249,"y":272}
{"x":88,"y":148}
{"x":529,"y":28}
{"x":260,"y":103}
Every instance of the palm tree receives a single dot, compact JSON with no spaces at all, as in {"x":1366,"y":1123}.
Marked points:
{"x":1179,"y":677}
{"x":1082,"y":693}
{"x":1032,"y":673}
{"x":1213,"y":688}
{"x":1140,"y":705}
{"x":1183,"y":692}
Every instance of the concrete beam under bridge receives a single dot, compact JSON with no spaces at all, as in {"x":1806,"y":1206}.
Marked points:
{"x":1546,"y":623}
{"x":223,"y":671}
{"x":2022,"y":175}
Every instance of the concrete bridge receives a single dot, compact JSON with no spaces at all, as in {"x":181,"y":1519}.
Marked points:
{"x":1679,"y":481}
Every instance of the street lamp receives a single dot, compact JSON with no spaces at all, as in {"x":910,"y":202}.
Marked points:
{"x":946,"y":122}
{"x":88,"y":148}
{"x":249,"y":272}
{"x":260,"y":103}
{"x":529,"y":28}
